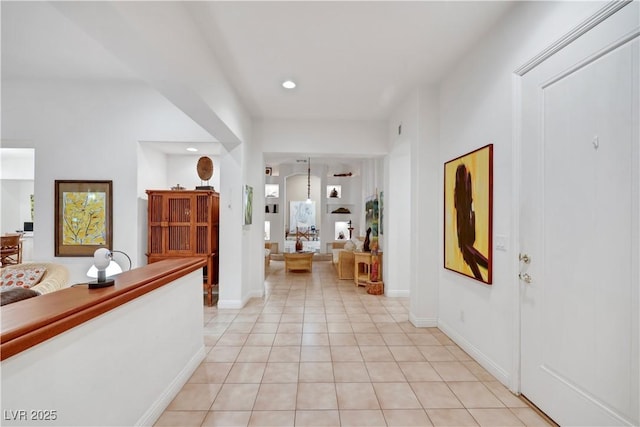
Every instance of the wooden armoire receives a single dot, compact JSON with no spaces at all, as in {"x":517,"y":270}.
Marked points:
{"x":185,"y":224}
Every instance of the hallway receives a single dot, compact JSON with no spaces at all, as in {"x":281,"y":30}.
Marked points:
{"x":318,"y":351}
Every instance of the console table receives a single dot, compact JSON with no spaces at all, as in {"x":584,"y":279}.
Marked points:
{"x":362,"y":267}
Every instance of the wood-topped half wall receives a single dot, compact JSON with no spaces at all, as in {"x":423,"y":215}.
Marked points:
{"x":78,"y":353}
{"x":35,"y":320}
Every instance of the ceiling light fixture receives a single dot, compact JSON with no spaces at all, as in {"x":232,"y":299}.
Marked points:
{"x":309,"y":180}
{"x":289,"y":84}
{"x":192,"y":149}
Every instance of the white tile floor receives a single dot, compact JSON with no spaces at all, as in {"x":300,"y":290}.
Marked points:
{"x":317,"y":351}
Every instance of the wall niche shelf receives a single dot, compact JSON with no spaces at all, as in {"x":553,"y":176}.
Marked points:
{"x":340,"y":209}
{"x":334,"y":191}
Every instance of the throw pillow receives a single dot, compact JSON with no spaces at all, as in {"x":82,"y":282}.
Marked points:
{"x":16,"y":294}
{"x":24,"y":277}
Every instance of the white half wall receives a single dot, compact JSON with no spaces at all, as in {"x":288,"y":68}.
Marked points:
{"x":122,"y":368}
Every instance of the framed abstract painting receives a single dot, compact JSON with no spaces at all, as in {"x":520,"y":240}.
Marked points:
{"x":468,"y":214}
{"x":83,"y":217}
{"x":247,"y":205}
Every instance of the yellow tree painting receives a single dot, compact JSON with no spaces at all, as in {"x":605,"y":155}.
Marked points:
{"x":84,"y":215}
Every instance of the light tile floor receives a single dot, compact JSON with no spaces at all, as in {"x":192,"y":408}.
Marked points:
{"x":317,"y":351}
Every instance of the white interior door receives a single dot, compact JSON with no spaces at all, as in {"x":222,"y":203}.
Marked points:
{"x":579,"y":228}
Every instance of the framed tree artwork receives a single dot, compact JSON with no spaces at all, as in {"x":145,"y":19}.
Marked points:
{"x":83,"y":217}
{"x":468,"y":214}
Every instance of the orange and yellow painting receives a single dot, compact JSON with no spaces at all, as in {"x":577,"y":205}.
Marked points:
{"x":468,"y":211}
{"x":84,"y":218}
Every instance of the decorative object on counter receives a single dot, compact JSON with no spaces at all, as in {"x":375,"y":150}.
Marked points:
{"x":177,"y":187}
{"x":341,"y":210}
{"x":343,"y":174}
{"x":101,"y":261}
{"x":205,"y":172}
{"x":366,"y":247}
{"x":299,"y":245}
{"x":374,"y":245}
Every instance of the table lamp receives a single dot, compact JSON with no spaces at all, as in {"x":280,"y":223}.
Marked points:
{"x":103,"y":265}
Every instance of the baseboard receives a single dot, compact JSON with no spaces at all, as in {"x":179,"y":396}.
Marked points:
{"x":230,"y":303}
{"x":397,"y":293}
{"x":252,"y":294}
{"x":423,"y":322}
{"x":236,"y":303}
{"x":482,"y":359}
{"x":157,"y":408}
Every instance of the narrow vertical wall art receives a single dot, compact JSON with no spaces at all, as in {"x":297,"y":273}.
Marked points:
{"x":468,"y":214}
{"x":247,"y":202}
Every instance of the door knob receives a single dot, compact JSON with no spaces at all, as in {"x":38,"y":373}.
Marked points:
{"x":524,"y":277}
{"x":524,"y":258}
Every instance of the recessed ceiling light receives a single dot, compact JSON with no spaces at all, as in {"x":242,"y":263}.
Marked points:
{"x":288,"y":84}
{"x":192,"y":149}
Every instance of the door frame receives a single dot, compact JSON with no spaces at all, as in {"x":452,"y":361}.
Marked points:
{"x":516,"y":80}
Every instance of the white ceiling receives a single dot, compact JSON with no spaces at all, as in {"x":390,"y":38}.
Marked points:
{"x":351,"y":60}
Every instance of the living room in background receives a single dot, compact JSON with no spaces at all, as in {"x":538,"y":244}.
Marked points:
{"x":83,"y":217}
{"x":468,"y":210}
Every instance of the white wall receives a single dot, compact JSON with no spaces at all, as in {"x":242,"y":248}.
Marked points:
{"x":334,"y":137}
{"x":89,"y":131}
{"x":401,"y":218}
{"x":152,"y":170}
{"x":182,"y":170}
{"x":474,"y":108}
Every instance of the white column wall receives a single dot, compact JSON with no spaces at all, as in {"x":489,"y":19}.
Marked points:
{"x":231,"y":230}
{"x":426,"y":252}
{"x":402,"y":223}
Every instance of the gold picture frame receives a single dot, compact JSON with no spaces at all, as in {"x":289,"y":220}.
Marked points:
{"x":83,"y":217}
{"x":468,"y":214}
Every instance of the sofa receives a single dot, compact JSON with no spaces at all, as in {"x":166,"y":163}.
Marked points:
{"x":53,"y":278}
